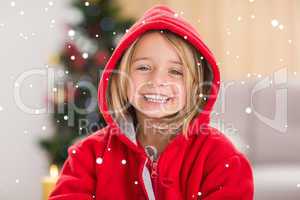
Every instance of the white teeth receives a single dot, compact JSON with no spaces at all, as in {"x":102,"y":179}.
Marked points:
{"x":156,"y":98}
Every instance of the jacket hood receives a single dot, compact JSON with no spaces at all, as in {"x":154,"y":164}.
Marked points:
{"x":160,"y":17}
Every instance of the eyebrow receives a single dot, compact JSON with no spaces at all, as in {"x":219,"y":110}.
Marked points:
{"x":147,"y":58}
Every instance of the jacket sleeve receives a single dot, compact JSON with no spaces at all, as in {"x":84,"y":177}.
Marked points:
{"x":231,"y":179}
{"x":77,"y":177}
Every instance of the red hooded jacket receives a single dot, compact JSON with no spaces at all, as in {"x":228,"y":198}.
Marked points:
{"x":111,"y":164}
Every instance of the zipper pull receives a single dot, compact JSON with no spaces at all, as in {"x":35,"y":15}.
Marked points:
{"x":154,"y":169}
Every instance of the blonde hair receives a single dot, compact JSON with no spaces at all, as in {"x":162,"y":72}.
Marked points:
{"x":197,"y":74}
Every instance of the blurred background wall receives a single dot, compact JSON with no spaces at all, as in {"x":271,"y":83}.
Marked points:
{"x":254,"y":41}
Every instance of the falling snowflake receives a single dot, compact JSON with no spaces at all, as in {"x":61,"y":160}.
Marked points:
{"x":99,"y":160}
{"x":12,"y":4}
{"x":123,"y":162}
{"x":71,"y":33}
{"x":274,"y":23}
{"x":248,"y":110}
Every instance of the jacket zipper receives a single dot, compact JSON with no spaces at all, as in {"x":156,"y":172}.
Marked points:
{"x":154,"y":174}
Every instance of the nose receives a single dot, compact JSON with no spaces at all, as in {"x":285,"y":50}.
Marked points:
{"x":158,"y":78}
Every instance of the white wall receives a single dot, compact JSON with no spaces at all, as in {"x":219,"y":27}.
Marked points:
{"x":22,"y":163}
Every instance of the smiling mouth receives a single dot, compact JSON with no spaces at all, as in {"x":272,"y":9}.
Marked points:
{"x":156,"y":98}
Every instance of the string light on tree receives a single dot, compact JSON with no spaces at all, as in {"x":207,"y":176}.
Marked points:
{"x":85,"y":55}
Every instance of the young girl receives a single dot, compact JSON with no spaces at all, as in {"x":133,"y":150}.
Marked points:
{"x":156,"y":93}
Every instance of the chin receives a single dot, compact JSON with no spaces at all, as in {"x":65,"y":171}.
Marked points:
{"x":156,"y":115}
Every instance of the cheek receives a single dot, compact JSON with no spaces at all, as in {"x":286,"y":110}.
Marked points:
{"x":133,"y":86}
{"x":179,"y":90}
{"x":182,"y":95}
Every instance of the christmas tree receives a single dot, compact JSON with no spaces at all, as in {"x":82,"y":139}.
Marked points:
{"x":83,"y":57}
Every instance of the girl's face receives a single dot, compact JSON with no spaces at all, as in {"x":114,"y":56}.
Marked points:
{"x":156,"y":86}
